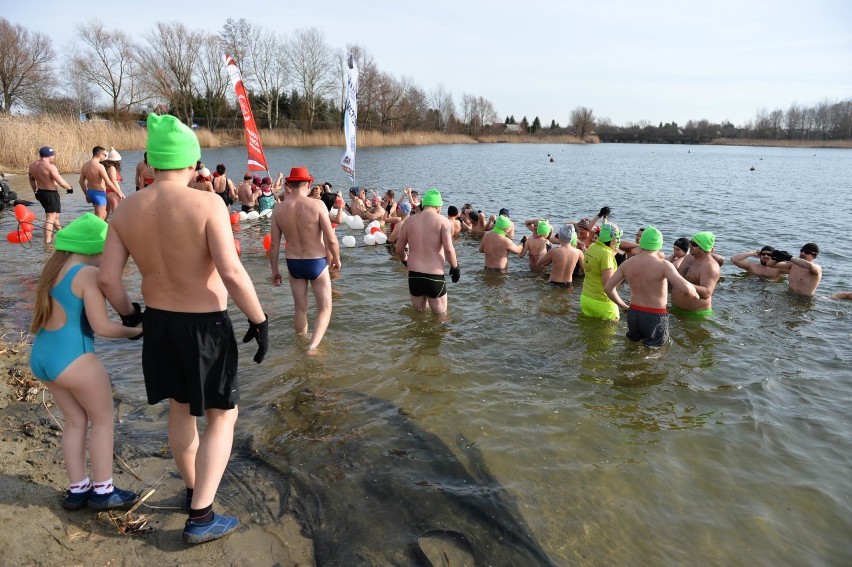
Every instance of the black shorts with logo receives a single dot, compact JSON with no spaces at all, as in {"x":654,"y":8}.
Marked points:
{"x":49,"y":200}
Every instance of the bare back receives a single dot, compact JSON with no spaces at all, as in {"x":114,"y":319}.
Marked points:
{"x":44,"y":174}
{"x":172,"y":233}
{"x":648,"y":275}
{"x":563,"y":260}
{"x":427,"y":234}
{"x":496,"y":248}
{"x":701,"y":272}
{"x":300,"y":219}
{"x":95,"y":175}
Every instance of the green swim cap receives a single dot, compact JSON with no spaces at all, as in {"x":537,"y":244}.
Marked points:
{"x":609,"y":232}
{"x":84,"y":235}
{"x":432,"y":198}
{"x":705,"y":240}
{"x":651,"y":239}
{"x":543,"y":228}
{"x":171,"y":144}
{"x":501,"y":225}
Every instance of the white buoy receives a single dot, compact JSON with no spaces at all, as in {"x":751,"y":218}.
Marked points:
{"x":357,"y":223}
{"x":333,"y":212}
{"x":380,"y":237}
{"x":375,"y":223}
{"x":348,"y":241}
{"x":344,"y":217}
{"x":243,"y":215}
{"x":252,"y":215}
{"x":369,"y":240}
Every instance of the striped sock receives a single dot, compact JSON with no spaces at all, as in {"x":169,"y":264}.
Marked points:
{"x":103,"y":487}
{"x":80,"y":487}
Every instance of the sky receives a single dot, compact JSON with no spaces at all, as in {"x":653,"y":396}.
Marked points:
{"x":629,"y":61}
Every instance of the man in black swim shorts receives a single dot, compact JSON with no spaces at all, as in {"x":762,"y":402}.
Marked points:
{"x":45,"y":182}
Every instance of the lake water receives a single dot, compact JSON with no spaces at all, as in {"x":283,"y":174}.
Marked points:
{"x":732,"y":445}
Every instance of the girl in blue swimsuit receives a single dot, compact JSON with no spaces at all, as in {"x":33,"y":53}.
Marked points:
{"x":69,"y":306}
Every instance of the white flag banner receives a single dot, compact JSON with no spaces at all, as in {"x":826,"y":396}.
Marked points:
{"x":350,"y":118}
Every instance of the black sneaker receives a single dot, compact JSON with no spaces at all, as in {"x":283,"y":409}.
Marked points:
{"x":118,"y":498}
{"x":76,"y":500}
{"x":219,"y":526}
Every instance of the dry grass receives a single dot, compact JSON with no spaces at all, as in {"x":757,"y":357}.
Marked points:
{"x":843,"y":144}
{"x":532,"y":139}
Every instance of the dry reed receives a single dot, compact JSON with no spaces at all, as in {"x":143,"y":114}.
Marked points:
{"x":847,"y":144}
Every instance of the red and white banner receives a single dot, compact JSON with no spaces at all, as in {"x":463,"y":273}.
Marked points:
{"x":256,"y":159}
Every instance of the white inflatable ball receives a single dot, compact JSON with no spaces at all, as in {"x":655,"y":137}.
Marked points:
{"x":357,"y":223}
{"x":374,"y":223}
{"x":344,"y":217}
{"x":333,"y":212}
{"x":380,"y":237}
{"x":253,"y":215}
{"x":348,"y":241}
{"x":243,"y":215}
{"x":369,"y":240}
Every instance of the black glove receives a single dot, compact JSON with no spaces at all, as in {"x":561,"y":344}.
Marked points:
{"x":781,"y":256}
{"x":260,"y":333}
{"x":604,"y":212}
{"x":523,"y":240}
{"x":134,"y":319}
{"x":69,"y":190}
{"x":455,"y":274}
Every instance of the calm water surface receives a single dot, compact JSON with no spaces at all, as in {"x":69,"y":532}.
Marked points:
{"x":731,"y":445}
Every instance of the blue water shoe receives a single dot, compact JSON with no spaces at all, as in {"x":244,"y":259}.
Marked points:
{"x":77,"y":500}
{"x":118,"y":498}
{"x":219,"y":526}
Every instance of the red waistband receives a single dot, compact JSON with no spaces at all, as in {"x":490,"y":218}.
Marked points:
{"x":648,"y":309}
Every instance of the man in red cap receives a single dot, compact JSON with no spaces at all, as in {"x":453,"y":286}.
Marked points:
{"x":311,"y":248}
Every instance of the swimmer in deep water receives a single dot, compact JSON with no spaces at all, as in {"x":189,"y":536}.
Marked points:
{"x":69,"y":309}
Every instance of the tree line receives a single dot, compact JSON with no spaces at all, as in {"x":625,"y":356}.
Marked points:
{"x":297,"y":81}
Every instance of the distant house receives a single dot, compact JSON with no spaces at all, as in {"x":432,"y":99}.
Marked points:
{"x":508,"y":129}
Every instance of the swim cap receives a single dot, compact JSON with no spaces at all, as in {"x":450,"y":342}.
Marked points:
{"x":504,"y":212}
{"x":705,"y":240}
{"x":651,"y":239}
{"x":113,"y":155}
{"x":543,"y":228}
{"x":353,"y":191}
{"x":682,"y":243}
{"x":432,"y":198}
{"x":405,"y":208}
{"x":568,"y":234}
{"x":84,"y":235}
{"x":204,"y":172}
{"x":171,"y":144}
{"x":501,"y":225}
{"x":609,"y":232}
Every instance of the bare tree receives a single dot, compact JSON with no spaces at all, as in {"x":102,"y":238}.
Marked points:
{"x":236,"y":38}
{"x":25,"y":65}
{"x":583,"y":121}
{"x":212,"y":81}
{"x":390,"y":93}
{"x":80,"y":92}
{"x":108,"y":61}
{"x":368,"y":79}
{"x":171,"y":56}
{"x":312,"y":67}
{"x":441,"y":101}
{"x":269,"y":59}
{"x":485,"y":113}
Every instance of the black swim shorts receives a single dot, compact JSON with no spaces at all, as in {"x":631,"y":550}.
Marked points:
{"x":430,"y":285}
{"x":646,"y":325}
{"x":191,"y":358}
{"x":49,"y":200}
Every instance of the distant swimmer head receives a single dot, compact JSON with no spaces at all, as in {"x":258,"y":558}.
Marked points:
{"x":432,"y":198}
{"x":171,"y":143}
{"x":84,"y":235}
{"x":810,"y":248}
{"x":568,"y":234}
{"x":651,"y":239}
{"x":542,"y":228}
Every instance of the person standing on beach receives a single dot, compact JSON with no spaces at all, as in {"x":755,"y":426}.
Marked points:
{"x":69,"y":309}
{"x":647,"y":273}
{"x":44,"y":178}
{"x":305,"y":225}
{"x":600,"y":264}
{"x":428,"y":236}
{"x":94,"y":181}
{"x":701,"y":269}
{"x":183,"y":246}
{"x":805,"y":273}
{"x":497,"y":244}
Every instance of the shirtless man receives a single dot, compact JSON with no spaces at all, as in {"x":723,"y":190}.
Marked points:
{"x":144,"y":173}
{"x":477,"y":223}
{"x":805,"y":273}
{"x":94,"y":181}
{"x":702,"y":270}
{"x":455,"y":220}
{"x":44,"y":178}
{"x":305,"y":225}
{"x":537,"y":246}
{"x":357,"y":205}
{"x":647,"y":273}
{"x":497,"y":243}
{"x":189,"y":266}
{"x":430,"y":244}
{"x":247,"y":193}
{"x":759,"y":268}
{"x":564,"y":258}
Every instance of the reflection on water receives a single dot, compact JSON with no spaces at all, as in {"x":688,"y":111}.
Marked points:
{"x":729,"y":445}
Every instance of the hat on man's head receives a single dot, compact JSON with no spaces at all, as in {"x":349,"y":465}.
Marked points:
{"x":504,"y":211}
{"x":171,"y":143}
{"x":651,"y":239}
{"x":542,"y":228}
{"x":432,"y":198}
{"x":704,"y":240}
{"x":113,"y":155}
{"x":609,"y":232}
{"x":501,"y":225}
{"x":299,"y":174}
{"x":46,"y":151}
{"x":354,"y":191}
{"x":405,"y":208}
{"x":585,"y":223}
{"x":84,"y":235}
{"x":568,"y":234}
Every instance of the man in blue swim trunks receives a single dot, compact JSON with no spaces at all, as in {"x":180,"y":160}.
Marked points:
{"x":311,"y":248}
{"x":94,"y":181}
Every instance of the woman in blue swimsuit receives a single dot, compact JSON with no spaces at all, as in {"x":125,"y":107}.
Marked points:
{"x":69,"y":307}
